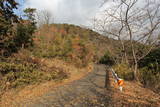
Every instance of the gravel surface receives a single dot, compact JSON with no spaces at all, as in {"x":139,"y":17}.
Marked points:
{"x":89,"y":91}
{"x":86,"y":92}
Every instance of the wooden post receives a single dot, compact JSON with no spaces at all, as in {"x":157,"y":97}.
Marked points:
{"x":107,"y":83}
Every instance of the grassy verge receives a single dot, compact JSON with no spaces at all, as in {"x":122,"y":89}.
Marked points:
{"x":25,"y":70}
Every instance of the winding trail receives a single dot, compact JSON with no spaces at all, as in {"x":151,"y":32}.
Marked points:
{"x":86,"y":92}
{"x":89,"y":91}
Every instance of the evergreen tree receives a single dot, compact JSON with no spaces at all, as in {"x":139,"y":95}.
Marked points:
{"x":7,"y":19}
{"x":7,"y":16}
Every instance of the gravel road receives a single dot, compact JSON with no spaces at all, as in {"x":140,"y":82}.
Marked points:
{"x":86,"y":92}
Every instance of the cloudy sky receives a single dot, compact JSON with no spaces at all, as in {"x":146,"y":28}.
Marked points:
{"x":66,"y":11}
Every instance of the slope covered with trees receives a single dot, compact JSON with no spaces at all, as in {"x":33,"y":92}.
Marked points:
{"x":28,"y":55}
{"x":51,"y":52}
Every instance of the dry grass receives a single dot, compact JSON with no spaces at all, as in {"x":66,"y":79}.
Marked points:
{"x":133,"y":95}
{"x":31,"y":92}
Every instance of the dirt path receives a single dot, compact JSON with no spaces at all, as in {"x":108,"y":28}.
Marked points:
{"x":86,"y":92}
{"x":90,"y":92}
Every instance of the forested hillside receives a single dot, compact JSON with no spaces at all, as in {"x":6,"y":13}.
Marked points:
{"x":26,"y":50}
{"x":34,"y":53}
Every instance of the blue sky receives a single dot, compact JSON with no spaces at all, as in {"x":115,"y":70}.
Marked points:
{"x":19,"y":11}
{"x":20,"y":1}
{"x":78,"y":12}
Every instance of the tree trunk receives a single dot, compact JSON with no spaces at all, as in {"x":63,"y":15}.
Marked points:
{"x":123,"y":54}
{"x":135,"y":71}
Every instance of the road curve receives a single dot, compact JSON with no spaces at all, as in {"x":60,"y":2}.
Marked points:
{"x":86,"y":92}
{"x":89,"y":91}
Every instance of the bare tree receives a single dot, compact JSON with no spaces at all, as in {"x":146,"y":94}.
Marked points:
{"x":136,"y":21}
{"x":47,"y":16}
{"x":44,"y":17}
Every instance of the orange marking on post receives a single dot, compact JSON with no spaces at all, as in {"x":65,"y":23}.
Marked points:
{"x":120,"y":82}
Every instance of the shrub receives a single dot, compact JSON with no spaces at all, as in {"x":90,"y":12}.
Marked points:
{"x":124,"y":71}
{"x":150,"y":70}
{"x":20,"y":75}
{"x":149,"y":78}
{"x":24,"y":37}
{"x":13,"y":73}
{"x":151,"y":60}
{"x":107,"y":59}
{"x":25,"y":57}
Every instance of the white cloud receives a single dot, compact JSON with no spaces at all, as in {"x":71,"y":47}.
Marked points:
{"x":67,"y":11}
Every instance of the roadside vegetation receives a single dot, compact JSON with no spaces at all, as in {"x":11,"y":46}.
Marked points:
{"x":136,"y":45}
{"x":31,"y":54}
{"x":148,"y":67}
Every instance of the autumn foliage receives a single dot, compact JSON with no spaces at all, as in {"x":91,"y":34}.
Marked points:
{"x":67,"y":42}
